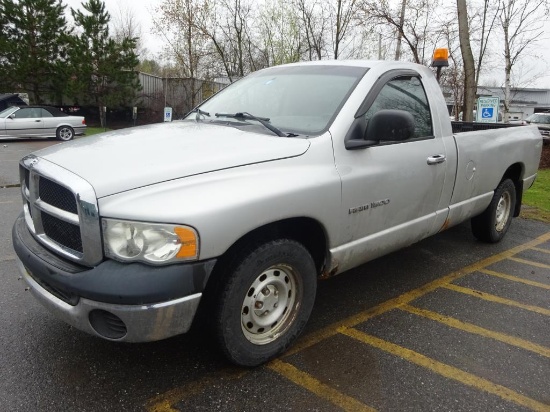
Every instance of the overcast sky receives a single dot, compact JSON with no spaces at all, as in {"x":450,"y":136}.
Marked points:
{"x":143,"y":10}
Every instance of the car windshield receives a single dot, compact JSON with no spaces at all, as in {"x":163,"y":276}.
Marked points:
{"x":539,"y":118}
{"x":295,"y":99}
{"x":6,"y":112}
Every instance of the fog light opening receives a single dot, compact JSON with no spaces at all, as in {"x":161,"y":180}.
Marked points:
{"x":107,"y":324}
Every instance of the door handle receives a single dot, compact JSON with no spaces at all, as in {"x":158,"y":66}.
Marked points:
{"x":38,"y":120}
{"x":436,"y":159}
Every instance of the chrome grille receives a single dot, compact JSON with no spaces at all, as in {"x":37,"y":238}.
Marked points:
{"x":57,"y":195}
{"x":61,"y":210}
{"x":64,"y":233}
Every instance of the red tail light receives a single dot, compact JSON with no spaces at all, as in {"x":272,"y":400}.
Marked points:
{"x":83,"y":120}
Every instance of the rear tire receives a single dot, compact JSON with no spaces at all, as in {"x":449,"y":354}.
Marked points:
{"x":264,"y":301}
{"x":64,"y":133}
{"x":494,"y":222}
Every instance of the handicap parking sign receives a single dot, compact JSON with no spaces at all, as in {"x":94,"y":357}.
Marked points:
{"x":167,"y":114}
{"x":487,"y":112}
{"x":487,"y":109}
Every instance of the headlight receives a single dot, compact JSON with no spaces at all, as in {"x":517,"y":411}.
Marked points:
{"x":149,"y":242}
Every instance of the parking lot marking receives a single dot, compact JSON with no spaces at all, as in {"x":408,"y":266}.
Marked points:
{"x":7,"y":258}
{"x":445,"y":370}
{"x":165,"y":402}
{"x":471,"y":328}
{"x":317,"y":387}
{"x":496,"y":299}
{"x":515,"y":279}
{"x":538,"y":249}
{"x":530,"y":262}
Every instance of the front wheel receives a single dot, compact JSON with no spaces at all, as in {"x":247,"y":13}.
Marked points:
{"x":493,"y":223}
{"x":265,"y":301}
{"x":64,"y":133}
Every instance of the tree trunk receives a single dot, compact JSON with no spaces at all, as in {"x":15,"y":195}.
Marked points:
{"x":400,"y":30}
{"x":468,"y":59}
{"x":507,"y":65}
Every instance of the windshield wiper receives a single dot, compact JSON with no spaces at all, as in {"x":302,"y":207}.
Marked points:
{"x":247,"y":116}
{"x":199,"y":113}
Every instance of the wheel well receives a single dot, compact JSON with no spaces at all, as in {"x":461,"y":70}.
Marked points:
{"x":515,"y":173}
{"x":309,"y":232}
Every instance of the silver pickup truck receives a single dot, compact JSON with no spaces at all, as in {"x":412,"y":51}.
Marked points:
{"x":233,"y":214}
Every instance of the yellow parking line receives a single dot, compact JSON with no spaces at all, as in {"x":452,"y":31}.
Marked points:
{"x":530,"y":262}
{"x":447,"y":371}
{"x":515,"y":279}
{"x":408,"y":297}
{"x":165,"y":401}
{"x":539,"y":249}
{"x":471,"y":328}
{"x":496,"y":299}
{"x":317,"y":387}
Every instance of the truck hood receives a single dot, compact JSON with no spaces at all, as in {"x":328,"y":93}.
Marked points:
{"x":130,"y":158}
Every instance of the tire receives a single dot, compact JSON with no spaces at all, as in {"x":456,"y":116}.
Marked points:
{"x":64,"y":133}
{"x":494,"y":222}
{"x":264,"y":301}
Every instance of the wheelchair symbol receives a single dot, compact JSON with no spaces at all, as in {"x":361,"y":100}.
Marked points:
{"x":487,"y":113}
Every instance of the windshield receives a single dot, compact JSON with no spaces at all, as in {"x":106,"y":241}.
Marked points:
{"x":296,"y":99}
{"x":6,"y":112}
{"x":539,"y":118}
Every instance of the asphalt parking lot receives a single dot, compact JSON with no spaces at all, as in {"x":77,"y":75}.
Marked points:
{"x":447,"y":324}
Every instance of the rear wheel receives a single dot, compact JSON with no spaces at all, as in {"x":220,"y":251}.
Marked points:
{"x":265,"y":301}
{"x":493,"y":223}
{"x":64,"y":133}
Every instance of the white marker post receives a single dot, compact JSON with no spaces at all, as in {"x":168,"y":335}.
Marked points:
{"x":167,"y":114}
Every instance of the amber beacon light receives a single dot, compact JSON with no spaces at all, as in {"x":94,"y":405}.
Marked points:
{"x":440,"y":59}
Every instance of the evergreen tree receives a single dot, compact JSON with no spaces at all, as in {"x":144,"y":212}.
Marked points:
{"x":102,"y":69}
{"x":33,"y":46}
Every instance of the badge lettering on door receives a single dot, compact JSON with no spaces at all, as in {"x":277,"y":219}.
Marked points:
{"x":372,"y":205}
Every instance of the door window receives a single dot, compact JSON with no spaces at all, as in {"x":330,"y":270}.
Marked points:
{"x":45,"y":113}
{"x":405,"y":93}
{"x":27,"y":113}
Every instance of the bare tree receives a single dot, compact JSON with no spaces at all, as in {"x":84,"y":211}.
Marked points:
{"x":522,"y":26}
{"x":314,"y":26}
{"x":125,"y":24}
{"x":186,"y":45}
{"x":467,"y":61}
{"x":279,"y":35}
{"x":416,"y":31}
{"x":342,"y":14}
{"x":400,"y":32}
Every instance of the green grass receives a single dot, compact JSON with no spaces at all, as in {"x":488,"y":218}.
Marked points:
{"x":95,"y":130}
{"x":536,"y":200}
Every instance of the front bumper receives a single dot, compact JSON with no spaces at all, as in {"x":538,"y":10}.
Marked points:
{"x":123,"y":302}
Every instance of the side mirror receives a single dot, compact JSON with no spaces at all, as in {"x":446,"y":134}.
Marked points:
{"x":11,"y":116}
{"x":390,"y":126}
{"x":385,"y":125}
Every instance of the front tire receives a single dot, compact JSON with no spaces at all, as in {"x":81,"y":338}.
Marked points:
{"x":265,"y":301}
{"x":64,"y":133}
{"x":494,"y":222}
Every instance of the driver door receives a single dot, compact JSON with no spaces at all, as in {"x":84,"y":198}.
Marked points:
{"x":391,"y":191}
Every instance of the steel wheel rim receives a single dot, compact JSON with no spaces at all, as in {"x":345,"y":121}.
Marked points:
{"x":503,"y":211}
{"x":65,"y":133}
{"x":271,"y":304}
